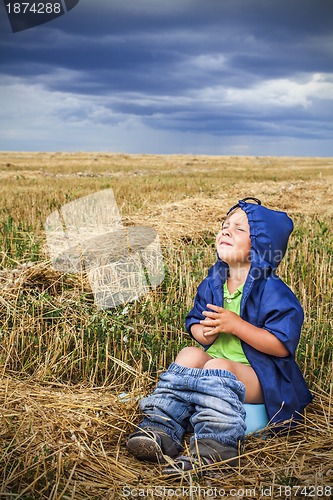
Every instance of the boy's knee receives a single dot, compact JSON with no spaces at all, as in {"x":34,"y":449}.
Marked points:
{"x":219,"y":364}
{"x":192,"y":357}
{"x":187,"y":351}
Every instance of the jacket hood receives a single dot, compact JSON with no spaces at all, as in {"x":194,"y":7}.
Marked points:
{"x":269,"y":233}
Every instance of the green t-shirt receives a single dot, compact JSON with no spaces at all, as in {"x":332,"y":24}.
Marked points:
{"x":228,"y":346}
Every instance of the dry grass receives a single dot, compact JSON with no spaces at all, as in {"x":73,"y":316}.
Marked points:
{"x":68,"y":442}
{"x":64,"y":364}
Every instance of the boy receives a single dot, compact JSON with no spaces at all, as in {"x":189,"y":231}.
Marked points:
{"x":249,"y":323}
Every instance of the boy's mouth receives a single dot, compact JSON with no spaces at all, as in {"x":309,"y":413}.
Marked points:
{"x":226,"y":243}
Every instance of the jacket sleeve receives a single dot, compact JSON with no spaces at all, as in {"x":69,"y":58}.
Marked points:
{"x":282,"y":315}
{"x":203,"y":297}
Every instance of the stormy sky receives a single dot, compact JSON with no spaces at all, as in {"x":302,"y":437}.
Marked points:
{"x":243,"y":77}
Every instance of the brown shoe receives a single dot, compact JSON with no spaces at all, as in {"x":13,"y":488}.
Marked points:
{"x":151,"y":444}
{"x":184,"y":464}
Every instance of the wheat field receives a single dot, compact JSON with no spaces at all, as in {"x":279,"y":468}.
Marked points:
{"x":71,"y":374}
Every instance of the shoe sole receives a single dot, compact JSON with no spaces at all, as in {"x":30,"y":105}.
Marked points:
{"x":145,"y":448}
{"x":185,"y":465}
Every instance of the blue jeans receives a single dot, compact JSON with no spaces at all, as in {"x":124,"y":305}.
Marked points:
{"x":210,"y":400}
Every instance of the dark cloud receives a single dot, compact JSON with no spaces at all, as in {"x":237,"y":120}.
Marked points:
{"x":232,"y":67}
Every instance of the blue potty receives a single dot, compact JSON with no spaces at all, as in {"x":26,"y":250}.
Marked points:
{"x":256,"y":418}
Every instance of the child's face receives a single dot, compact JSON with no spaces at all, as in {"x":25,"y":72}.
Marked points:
{"x":233,"y":242}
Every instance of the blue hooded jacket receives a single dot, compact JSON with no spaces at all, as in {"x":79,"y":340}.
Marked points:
{"x":268,"y":303}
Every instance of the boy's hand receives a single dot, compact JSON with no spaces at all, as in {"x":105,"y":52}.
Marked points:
{"x":219,"y":320}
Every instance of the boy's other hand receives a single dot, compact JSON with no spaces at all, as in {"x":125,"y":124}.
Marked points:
{"x":219,"y":320}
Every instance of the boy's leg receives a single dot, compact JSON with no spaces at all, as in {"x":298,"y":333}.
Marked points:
{"x":244,"y":373}
{"x":192,"y":357}
{"x":166,"y":416}
{"x":218,"y":420}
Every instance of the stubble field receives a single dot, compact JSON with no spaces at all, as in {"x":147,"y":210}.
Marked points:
{"x":65,"y":365}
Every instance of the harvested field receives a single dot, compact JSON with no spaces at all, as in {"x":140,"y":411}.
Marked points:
{"x":71,"y":374}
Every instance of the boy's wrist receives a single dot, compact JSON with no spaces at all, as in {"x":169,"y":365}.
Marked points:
{"x":237,"y":326}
